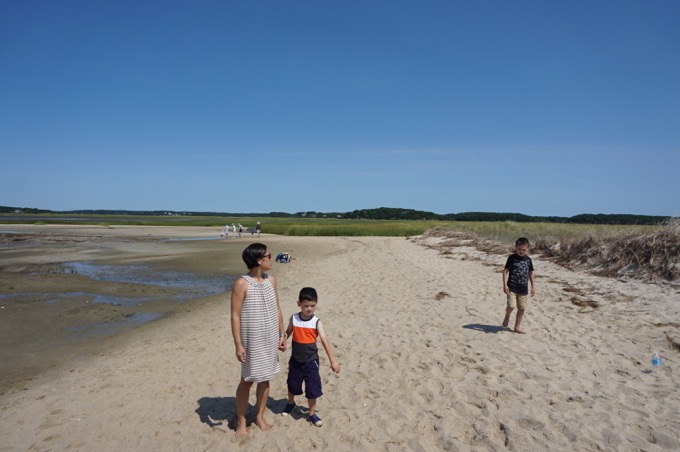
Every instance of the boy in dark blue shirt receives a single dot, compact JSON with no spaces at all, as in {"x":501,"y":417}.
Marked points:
{"x":517,"y":274}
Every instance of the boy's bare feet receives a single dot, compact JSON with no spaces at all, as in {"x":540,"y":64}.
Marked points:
{"x":517,"y":330}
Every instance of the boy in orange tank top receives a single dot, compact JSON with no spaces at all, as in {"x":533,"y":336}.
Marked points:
{"x":303,"y":367}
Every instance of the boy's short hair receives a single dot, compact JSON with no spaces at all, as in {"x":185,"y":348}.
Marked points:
{"x":253,"y":253}
{"x":308,"y":294}
{"x":522,"y":241}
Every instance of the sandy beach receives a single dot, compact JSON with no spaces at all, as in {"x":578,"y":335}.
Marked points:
{"x":414,"y":322}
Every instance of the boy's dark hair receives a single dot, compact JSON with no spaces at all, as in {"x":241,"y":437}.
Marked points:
{"x":308,"y":294}
{"x":522,"y":241}
{"x":253,"y":253}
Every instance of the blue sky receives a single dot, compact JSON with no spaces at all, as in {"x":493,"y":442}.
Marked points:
{"x":542,"y":108}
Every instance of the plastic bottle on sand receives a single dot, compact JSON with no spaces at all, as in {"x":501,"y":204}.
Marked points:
{"x":656,"y":362}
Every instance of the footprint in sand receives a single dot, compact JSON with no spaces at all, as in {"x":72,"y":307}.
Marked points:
{"x":530,"y":424}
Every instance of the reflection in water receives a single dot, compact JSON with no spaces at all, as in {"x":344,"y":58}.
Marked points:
{"x":200,"y":284}
{"x":186,"y":286}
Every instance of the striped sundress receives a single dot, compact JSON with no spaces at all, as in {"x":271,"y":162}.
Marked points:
{"x":260,"y":331}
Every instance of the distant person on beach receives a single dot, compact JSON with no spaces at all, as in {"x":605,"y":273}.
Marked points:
{"x":306,"y":328}
{"x":517,"y":274}
{"x":258,"y":228}
{"x":258,"y":331}
{"x":225,"y":231}
{"x":240,"y":230}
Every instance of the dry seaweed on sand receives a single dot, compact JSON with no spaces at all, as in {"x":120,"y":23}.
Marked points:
{"x":441,"y":295}
{"x":651,"y":254}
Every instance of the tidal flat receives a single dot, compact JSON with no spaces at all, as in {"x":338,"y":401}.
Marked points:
{"x":66,"y":291}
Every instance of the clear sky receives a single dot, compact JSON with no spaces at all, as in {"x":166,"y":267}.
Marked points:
{"x":536,"y":107}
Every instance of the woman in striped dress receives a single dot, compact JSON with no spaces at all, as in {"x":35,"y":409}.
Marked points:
{"x":258,"y":331}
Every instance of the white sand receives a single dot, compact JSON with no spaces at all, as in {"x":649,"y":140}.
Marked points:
{"x":417,"y":373}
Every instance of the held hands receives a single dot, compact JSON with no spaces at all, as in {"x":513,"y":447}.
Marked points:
{"x":283,"y":344}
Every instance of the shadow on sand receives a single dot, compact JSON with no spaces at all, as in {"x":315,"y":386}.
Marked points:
{"x":215,"y":411}
{"x":486,"y":328}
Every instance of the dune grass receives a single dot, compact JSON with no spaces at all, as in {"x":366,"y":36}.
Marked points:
{"x":509,"y":231}
{"x":645,"y":252}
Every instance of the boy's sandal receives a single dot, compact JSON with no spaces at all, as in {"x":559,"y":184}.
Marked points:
{"x":316,"y":420}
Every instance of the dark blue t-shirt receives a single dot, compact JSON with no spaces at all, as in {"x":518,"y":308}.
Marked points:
{"x":518,"y":279}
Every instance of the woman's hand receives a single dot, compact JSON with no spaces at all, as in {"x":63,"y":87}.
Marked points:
{"x":241,"y":354}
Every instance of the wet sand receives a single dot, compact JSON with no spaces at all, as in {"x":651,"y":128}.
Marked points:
{"x":52,"y":313}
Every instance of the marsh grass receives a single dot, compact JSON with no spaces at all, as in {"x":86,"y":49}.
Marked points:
{"x":331,"y":227}
{"x":291,"y":226}
{"x":350,"y":228}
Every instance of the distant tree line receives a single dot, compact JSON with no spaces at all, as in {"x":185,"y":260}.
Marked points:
{"x":385,"y":213}
{"x":382,"y":213}
{"x":5,"y":209}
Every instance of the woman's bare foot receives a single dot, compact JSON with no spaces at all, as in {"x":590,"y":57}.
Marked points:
{"x":505,"y":322}
{"x":517,"y":330}
{"x":241,"y":430}
{"x":260,"y":422}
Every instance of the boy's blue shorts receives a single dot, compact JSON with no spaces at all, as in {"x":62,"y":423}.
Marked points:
{"x":307,"y":372}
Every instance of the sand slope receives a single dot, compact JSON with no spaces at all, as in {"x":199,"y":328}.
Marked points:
{"x":425,"y":365}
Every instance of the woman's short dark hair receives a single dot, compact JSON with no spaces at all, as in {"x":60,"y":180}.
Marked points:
{"x":253,"y":253}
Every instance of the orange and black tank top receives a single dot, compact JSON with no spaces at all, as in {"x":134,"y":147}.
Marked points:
{"x":304,"y":339}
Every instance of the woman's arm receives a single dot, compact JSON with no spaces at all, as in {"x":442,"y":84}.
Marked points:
{"x":282,"y":331}
{"x":238,"y":294}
